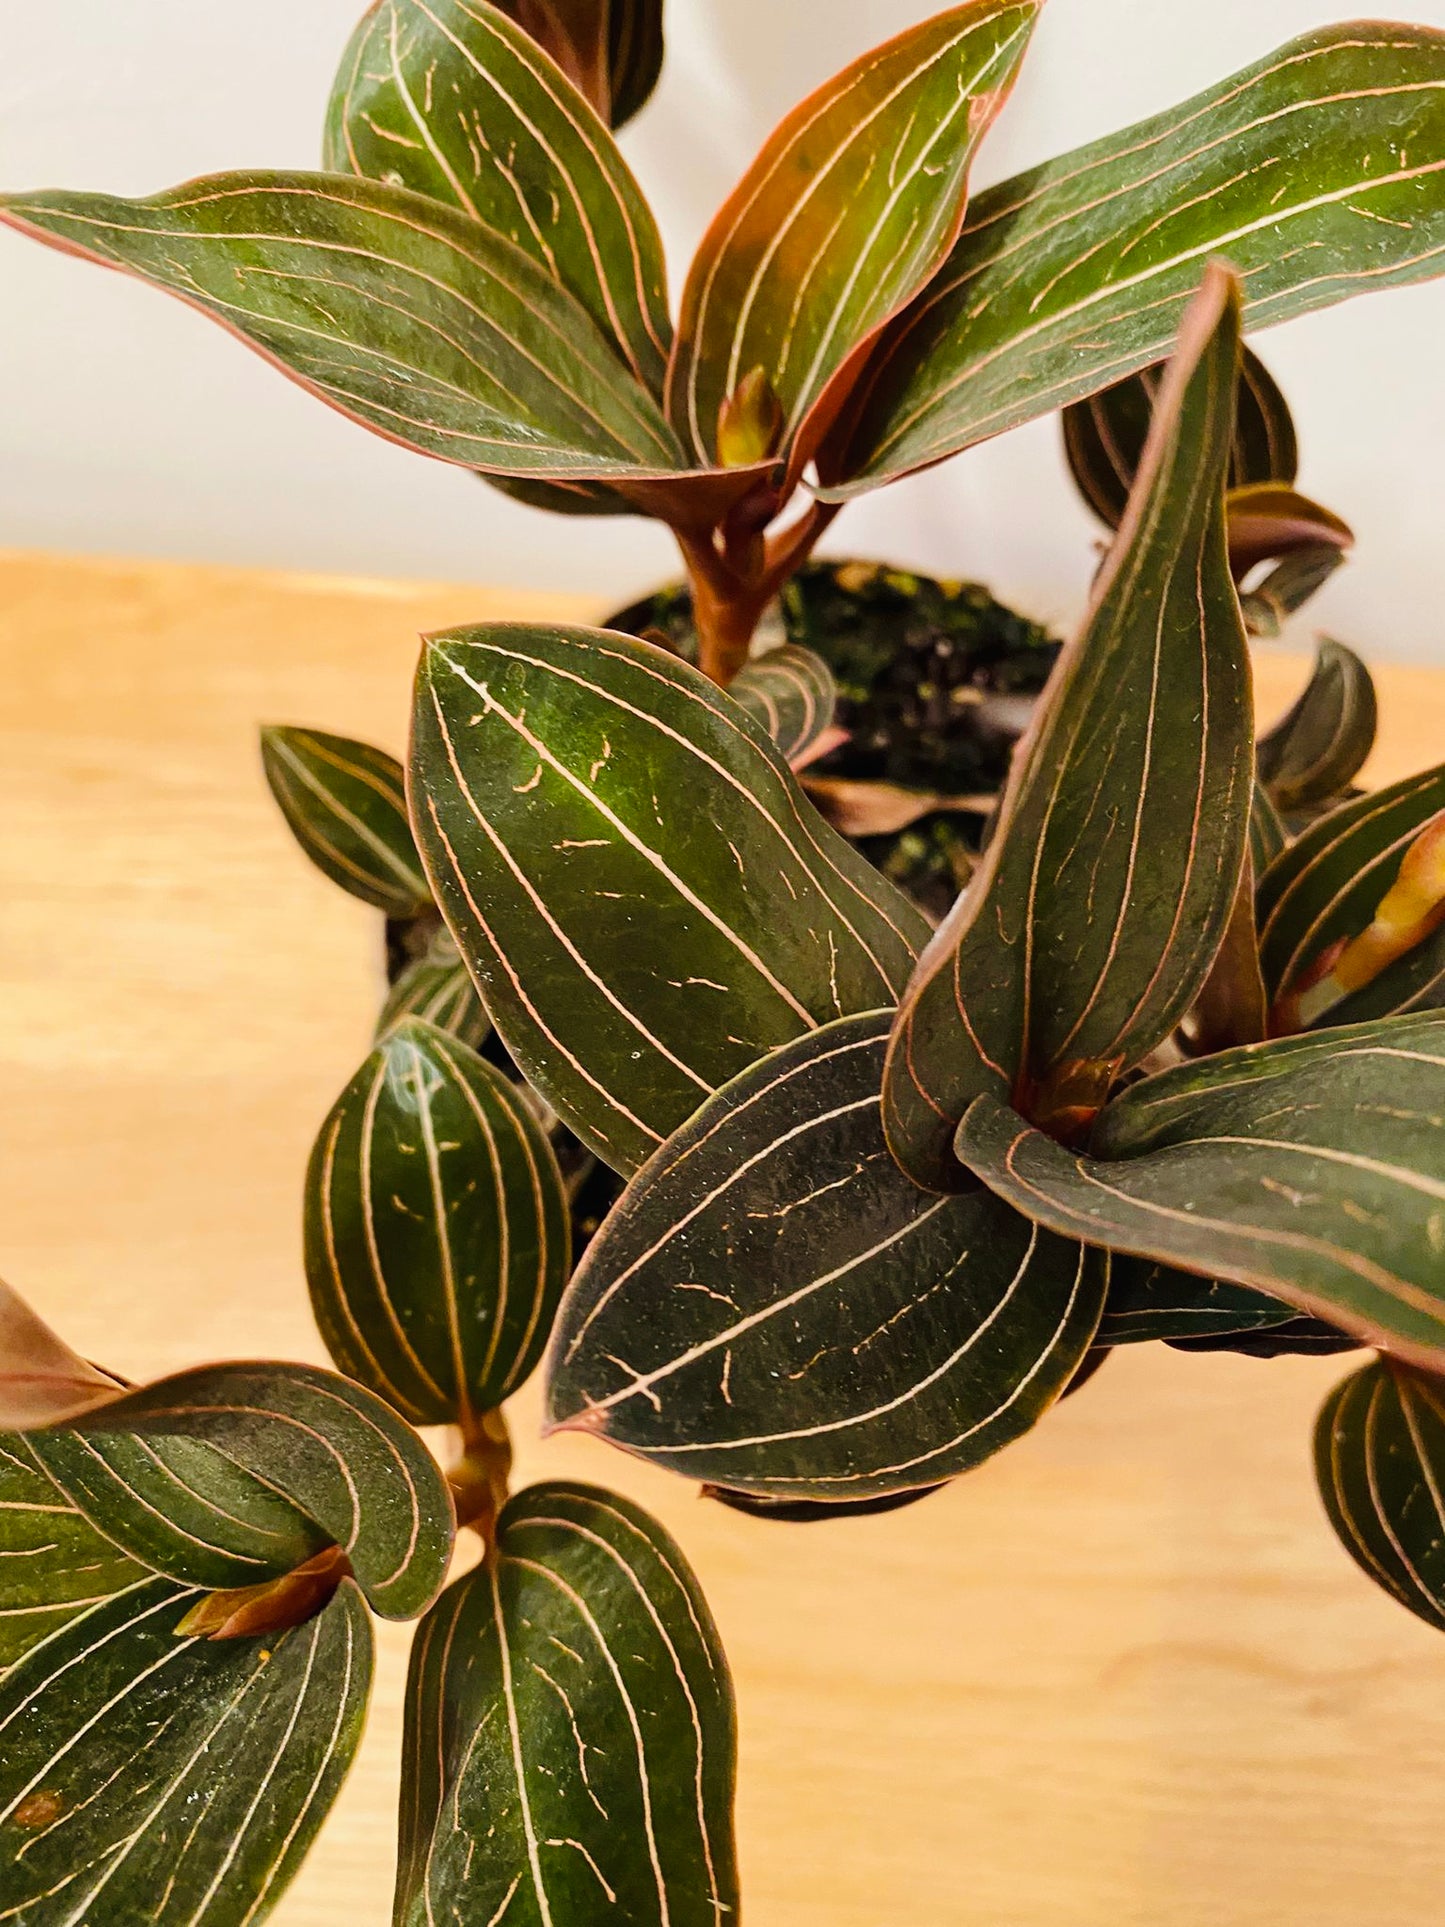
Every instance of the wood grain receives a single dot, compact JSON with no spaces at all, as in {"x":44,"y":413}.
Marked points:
{"x":1122,"y":1675}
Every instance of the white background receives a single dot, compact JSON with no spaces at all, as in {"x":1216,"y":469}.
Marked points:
{"x":129,"y":424}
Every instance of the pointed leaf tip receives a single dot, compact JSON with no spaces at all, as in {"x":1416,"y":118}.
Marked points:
{"x":1318,"y":171}
{"x":1086,"y":934}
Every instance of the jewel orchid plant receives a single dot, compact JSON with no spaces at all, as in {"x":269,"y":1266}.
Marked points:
{"x":676,"y":1095}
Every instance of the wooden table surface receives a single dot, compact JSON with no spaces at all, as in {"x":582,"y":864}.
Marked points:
{"x":1120,"y":1677}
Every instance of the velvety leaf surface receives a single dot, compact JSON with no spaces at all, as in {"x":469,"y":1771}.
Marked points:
{"x":1327,"y":884}
{"x":790,"y":693}
{"x":851,"y":206}
{"x":1104,"y":436}
{"x":1312,"y":1169}
{"x":1316,"y":751}
{"x":454,"y":100}
{"x":438,"y":989}
{"x":346,"y":805}
{"x":775,"y":1308}
{"x":1106,"y":890}
{"x":151,"y":1781}
{"x":645,"y":897}
{"x":53,"y":1562}
{"x":1317,"y":172}
{"x":402,"y":313}
{"x":1380,"y":1461}
{"x":330,"y":1448}
{"x":1154,"y":1301}
{"x":437,"y":1240}
{"x":570,"y":1749}
{"x":179,"y":1506}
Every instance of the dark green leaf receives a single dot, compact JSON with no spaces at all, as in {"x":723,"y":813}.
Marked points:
{"x":53,"y":1562}
{"x":174,"y":1782}
{"x":328,"y":1448}
{"x":1380,"y":1461}
{"x":644,"y":895}
{"x":570,"y":1740}
{"x":1155,"y":1301}
{"x":402,"y":313}
{"x":1317,"y":172}
{"x":775,"y":1308}
{"x":1109,"y":883}
{"x":1288,"y":586}
{"x":1296,"y":1338}
{"x":1312,"y":1169}
{"x":437,"y":1240}
{"x":852,"y":204}
{"x":1104,"y":436}
{"x":179,"y":1506}
{"x":1327,"y":884}
{"x":1317,"y":750}
{"x":438,"y":989}
{"x":346,"y":805}
{"x":453,"y":100}
{"x":790,"y":694}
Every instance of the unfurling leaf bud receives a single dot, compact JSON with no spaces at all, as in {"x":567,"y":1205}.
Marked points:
{"x":750,"y":422}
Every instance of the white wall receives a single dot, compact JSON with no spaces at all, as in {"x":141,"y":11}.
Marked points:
{"x":130,"y":424}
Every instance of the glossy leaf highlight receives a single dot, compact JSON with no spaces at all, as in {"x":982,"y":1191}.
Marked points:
{"x":570,"y":1750}
{"x":146,"y":1777}
{"x":774,"y":1307}
{"x":437,"y":1238}
{"x":1317,"y":172}
{"x":642,"y":892}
